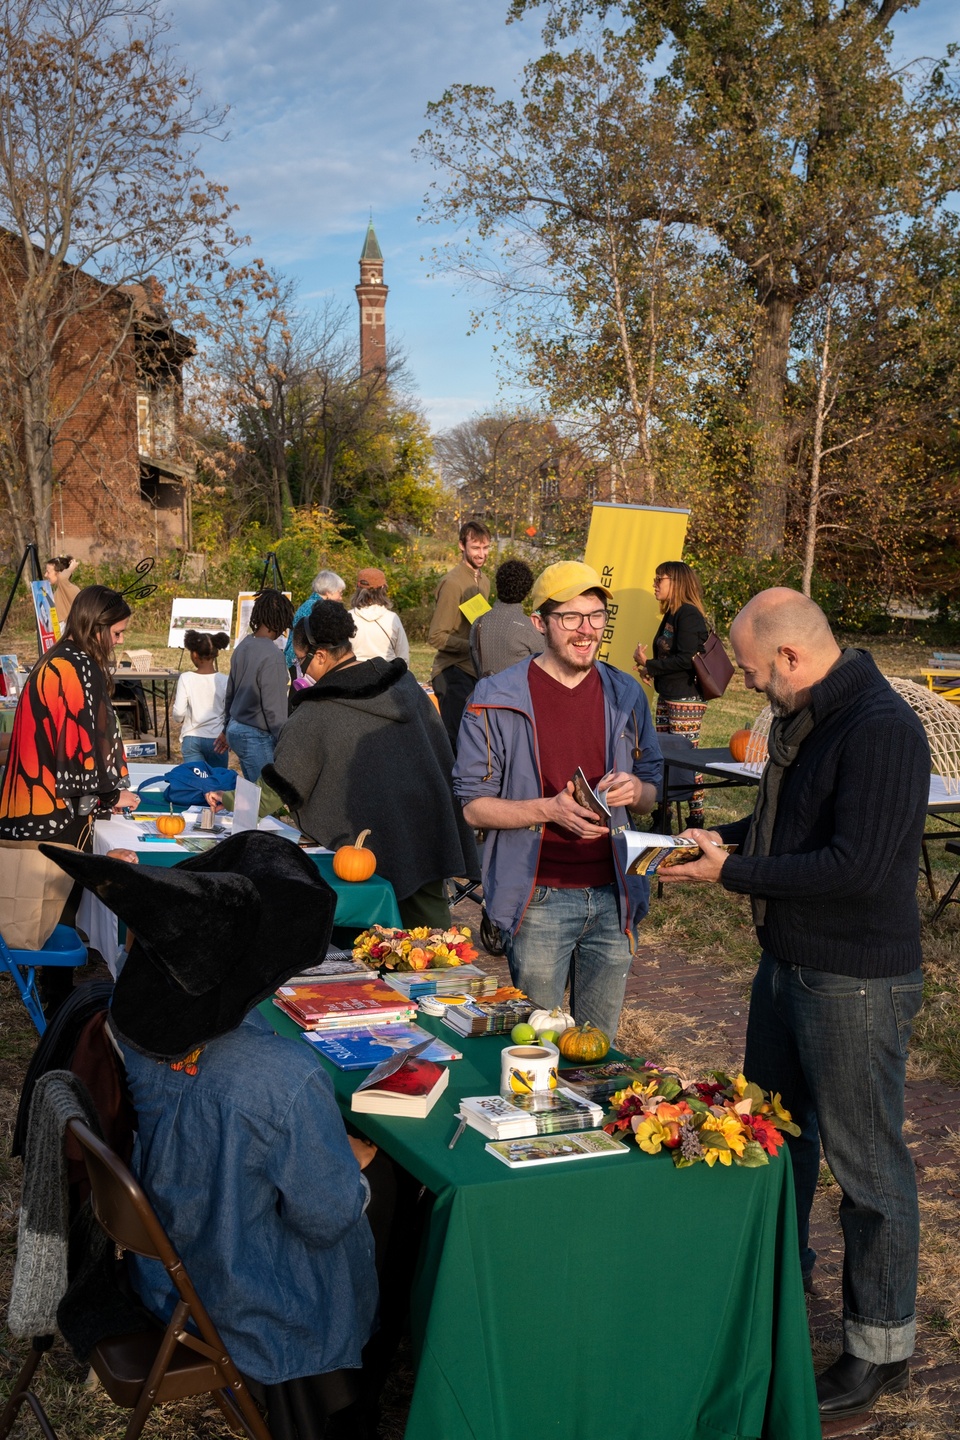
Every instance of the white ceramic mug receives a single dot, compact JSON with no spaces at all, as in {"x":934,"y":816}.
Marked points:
{"x":528,"y":1069}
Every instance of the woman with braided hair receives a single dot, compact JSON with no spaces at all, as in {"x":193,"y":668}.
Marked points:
{"x":255,"y":705}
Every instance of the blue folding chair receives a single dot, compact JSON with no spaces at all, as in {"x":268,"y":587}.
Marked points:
{"x":64,"y":947}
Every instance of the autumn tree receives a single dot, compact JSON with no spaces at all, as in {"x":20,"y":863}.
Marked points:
{"x":778,"y":138}
{"x":103,"y":203}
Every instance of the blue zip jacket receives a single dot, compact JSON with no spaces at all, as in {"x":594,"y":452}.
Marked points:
{"x":498,"y":755}
{"x":248,"y":1166}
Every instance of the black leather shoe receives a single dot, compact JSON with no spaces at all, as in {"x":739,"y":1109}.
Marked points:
{"x":851,"y":1385}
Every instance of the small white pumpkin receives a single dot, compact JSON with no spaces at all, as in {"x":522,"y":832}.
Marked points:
{"x":557,"y":1020}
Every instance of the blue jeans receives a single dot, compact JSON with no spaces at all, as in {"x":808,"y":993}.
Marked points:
{"x":573,"y":934}
{"x":200,"y":747}
{"x":253,"y":747}
{"x":835,"y":1047}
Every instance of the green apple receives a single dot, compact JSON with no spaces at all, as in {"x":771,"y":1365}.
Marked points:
{"x":523,"y":1034}
{"x":550,"y":1036}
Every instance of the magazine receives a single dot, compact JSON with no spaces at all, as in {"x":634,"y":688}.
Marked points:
{"x":647,"y":853}
{"x":555,"y":1149}
{"x":596,"y":1082}
{"x":476,"y":1017}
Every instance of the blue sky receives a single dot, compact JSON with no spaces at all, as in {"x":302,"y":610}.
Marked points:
{"x":326,"y":104}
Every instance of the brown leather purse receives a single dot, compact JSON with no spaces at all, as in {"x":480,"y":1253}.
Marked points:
{"x":713,"y":667}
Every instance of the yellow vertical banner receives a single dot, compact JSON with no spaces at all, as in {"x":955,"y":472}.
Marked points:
{"x":625,"y":545}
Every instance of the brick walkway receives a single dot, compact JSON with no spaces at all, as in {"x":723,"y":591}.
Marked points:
{"x":711,"y":1003}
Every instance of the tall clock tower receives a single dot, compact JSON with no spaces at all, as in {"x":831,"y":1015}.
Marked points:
{"x":372,"y":297}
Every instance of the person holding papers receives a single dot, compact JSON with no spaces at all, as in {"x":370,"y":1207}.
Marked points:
{"x":240,"y":1145}
{"x":829,"y":859}
{"x":553,"y":880}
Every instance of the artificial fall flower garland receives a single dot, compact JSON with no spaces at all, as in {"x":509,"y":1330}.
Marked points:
{"x":420,"y":949}
{"x":729,"y":1121}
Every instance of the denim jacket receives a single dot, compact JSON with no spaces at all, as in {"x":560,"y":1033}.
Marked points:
{"x":248,"y":1166}
{"x":498,"y":755}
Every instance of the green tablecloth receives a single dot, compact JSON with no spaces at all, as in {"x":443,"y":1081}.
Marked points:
{"x":597,"y":1300}
{"x":359,"y":903}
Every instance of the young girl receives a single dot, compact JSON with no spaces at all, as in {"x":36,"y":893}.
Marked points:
{"x":199,"y":701}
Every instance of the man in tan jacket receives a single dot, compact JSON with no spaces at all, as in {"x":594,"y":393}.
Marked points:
{"x":454,"y":676}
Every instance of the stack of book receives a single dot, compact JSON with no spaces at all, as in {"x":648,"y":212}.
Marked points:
{"x":338,"y":1005}
{"x":549,"y":1114}
{"x":480,"y":1017}
{"x":452,"y":980}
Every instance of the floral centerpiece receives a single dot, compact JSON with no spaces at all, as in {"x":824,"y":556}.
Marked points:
{"x":722,"y":1119}
{"x":419,"y":949}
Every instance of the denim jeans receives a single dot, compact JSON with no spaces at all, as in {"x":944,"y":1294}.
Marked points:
{"x":253,"y":748}
{"x":573,"y":934}
{"x":835,"y":1047}
{"x":200,"y":747}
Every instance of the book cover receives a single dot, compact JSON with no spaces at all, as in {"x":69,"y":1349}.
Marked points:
{"x":345,"y":1000}
{"x":555,"y":1149}
{"x":363,"y":1047}
{"x":411,"y":1090}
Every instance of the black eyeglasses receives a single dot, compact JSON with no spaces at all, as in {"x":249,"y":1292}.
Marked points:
{"x":572,"y":619}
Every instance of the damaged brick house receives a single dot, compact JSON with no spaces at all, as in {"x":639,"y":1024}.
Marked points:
{"x":120,"y":482}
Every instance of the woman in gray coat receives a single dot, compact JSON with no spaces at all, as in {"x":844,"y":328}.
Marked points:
{"x":364,"y":749}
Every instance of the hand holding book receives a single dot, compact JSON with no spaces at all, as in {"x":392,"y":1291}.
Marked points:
{"x":713,"y":857}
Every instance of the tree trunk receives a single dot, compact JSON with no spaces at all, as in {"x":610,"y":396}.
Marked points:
{"x":813,"y":498}
{"x":767,"y":514}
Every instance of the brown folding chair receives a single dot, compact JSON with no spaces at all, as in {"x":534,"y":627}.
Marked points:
{"x":157,"y":1365}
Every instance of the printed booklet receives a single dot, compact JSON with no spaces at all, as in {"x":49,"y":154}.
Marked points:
{"x":555,"y":1149}
{"x":647,"y":853}
{"x":502,"y":1119}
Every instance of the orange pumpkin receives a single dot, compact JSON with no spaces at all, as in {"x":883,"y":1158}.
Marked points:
{"x":584,"y":1043}
{"x":352,"y":862}
{"x":739,"y":741}
{"x":170,"y":825}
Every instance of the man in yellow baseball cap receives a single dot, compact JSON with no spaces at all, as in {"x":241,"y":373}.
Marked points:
{"x":552,"y":880}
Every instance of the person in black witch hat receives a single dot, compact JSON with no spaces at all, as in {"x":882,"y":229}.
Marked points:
{"x":241,"y":1147}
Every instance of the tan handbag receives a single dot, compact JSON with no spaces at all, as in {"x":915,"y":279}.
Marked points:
{"x":33,"y":892}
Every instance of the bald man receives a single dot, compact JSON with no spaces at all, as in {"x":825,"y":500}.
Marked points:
{"x":829,"y":859}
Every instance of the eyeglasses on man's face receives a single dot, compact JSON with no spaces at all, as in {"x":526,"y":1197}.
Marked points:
{"x":572,"y":619}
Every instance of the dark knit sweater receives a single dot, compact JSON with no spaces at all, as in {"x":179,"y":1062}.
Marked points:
{"x":674,"y":677}
{"x":366,"y":749}
{"x":841,"y":878}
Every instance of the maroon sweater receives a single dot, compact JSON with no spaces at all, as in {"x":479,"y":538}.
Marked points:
{"x":570,"y":731}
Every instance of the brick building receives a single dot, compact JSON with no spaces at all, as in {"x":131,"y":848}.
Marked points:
{"x":120,"y":484}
